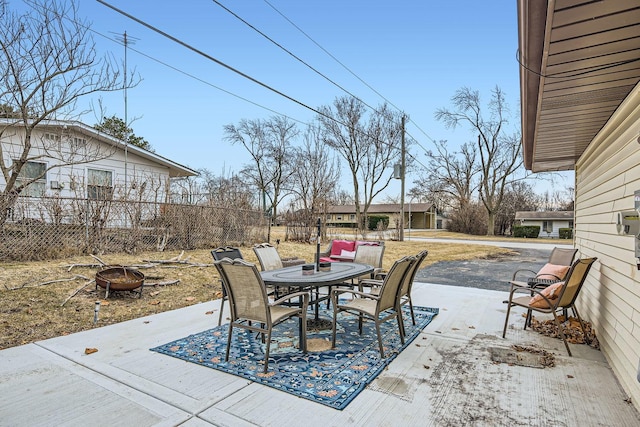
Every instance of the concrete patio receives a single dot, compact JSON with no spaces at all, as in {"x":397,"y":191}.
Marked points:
{"x":446,"y":377}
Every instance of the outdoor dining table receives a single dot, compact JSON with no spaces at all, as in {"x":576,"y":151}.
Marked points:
{"x":295,"y":280}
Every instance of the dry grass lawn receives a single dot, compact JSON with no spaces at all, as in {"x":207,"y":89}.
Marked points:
{"x":33,"y":307}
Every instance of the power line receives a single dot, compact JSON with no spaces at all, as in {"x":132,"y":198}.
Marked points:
{"x":581,"y":73}
{"x":220,"y":63}
{"x":314,"y":69}
{"x":346,"y":68}
{"x":211,"y":58}
{"x":293,"y":55}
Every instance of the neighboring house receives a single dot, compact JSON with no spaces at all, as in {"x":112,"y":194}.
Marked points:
{"x":580,"y":103}
{"x":550,"y":222}
{"x":116,"y":170}
{"x":416,"y":215}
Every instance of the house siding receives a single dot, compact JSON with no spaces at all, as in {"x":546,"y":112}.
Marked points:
{"x":138,"y":169}
{"x":607,"y":175}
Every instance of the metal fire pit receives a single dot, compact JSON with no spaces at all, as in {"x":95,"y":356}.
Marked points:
{"x":119,"y":278}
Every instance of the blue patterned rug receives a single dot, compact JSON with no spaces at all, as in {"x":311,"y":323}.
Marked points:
{"x":332,"y":377}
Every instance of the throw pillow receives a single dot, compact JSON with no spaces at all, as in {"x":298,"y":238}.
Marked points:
{"x":552,"y":292}
{"x":350,"y":254}
{"x":552,"y":271}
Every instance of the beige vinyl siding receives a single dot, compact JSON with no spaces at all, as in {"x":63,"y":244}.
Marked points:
{"x":607,"y":175}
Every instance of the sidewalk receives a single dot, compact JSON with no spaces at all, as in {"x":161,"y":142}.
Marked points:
{"x":445,"y":378}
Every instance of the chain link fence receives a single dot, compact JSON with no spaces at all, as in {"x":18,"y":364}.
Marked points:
{"x":38,"y":228}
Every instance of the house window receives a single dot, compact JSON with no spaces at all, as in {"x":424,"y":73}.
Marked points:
{"x":77,"y":144}
{"x":547,"y":226}
{"x":52,"y":137}
{"x":33,"y":176}
{"x":338,"y":217}
{"x":571,"y":224}
{"x":352,"y":217}
{"x":329,"y":217}
{"x":99,"y":184}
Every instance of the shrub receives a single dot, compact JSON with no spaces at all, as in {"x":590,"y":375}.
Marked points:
{"x":529,"y":231}
{"x":374,"y":220}
{"x":565,"y":233}
{"x":469,"y":219}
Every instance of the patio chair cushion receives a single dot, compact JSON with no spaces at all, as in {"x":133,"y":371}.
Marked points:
{"x":553,"y":271}
{"x":337,"y":246}
{"x":552,"y":292}
{"x":348,"y":253}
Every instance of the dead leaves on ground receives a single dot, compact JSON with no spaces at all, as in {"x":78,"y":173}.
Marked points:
{"x":571,"y":328}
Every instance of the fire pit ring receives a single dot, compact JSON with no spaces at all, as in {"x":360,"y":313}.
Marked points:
{"x":119,"y":278}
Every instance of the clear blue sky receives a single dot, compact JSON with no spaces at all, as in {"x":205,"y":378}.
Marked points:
{"x":415,"y":53}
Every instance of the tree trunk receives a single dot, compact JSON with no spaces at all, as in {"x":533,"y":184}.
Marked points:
{"x":491,"y":224}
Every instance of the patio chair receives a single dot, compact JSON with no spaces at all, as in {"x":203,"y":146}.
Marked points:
{"x":365,"y":254}
{"x":218,"y":254}
{"x":554,"y":270}
{"x":370,"y":255}
{"x":405,"y":289}
{"x":559,"y":296}
{"x":250,"y":305}
{"x":270,"y":259}
{"x":386,"y":304}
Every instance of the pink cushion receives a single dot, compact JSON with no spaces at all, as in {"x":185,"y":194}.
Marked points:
{"x":552,"y":271}
{"x":342,"y":245}
{"x":326,"y":259}
{"x":552,"y":292}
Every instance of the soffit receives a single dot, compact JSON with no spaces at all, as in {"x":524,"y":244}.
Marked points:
{"x":580,"y":59}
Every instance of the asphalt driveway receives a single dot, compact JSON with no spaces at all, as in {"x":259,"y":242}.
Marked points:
{"x":491,"y":274}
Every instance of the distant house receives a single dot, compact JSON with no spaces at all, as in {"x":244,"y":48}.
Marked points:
{"x":416,"y":215}
{"x":58,"y":159}
{"x":550,"y":222}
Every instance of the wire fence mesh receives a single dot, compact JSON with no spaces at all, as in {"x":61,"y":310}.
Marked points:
{"x":38,"y":228}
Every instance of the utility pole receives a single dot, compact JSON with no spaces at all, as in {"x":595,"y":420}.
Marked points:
{"x":402,"y":177}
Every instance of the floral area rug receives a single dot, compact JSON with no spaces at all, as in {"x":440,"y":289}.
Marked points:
{"x":332,"y":377}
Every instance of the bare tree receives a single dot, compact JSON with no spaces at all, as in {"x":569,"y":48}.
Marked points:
{"x":369,"y":144}
{"x":557,"y":200}
{"x":270,"y":145}
{"x":281,"y":132}
{"x":315,"y":177}
{"x":500,"y":153}
{"x":519,"y":196}
{"x":48,"y":61}
{"x":452,"y":177}
{"x":226,"y":191}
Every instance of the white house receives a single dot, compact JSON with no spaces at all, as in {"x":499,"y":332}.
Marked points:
{"x":580,"y":103}
{"x":73,"y":160}
{"x":550,"y":222}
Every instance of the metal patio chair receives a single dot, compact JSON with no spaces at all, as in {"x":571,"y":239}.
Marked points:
{"x":218,"y":254}
{"x":379,"y":308}
{"x":560,"y":296}
{"x":250,"y":306}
